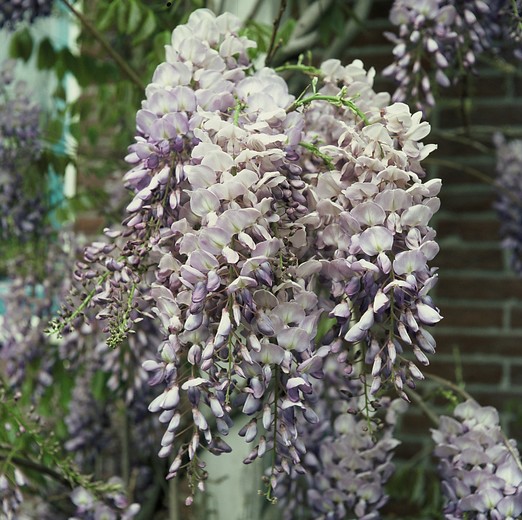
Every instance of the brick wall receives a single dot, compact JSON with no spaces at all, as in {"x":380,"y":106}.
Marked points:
{"x":480,"y":338}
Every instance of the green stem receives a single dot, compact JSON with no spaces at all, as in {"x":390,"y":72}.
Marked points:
{"x":417,"y":399}
{"x":305,"y":69}
{"x":517,"y":14}
{"x":57,"y":327}
{"x":315,"y":151}
{"x":125,"y":445}
{"x":120,"y":62}
{"x":334,"y":100}
{"x":173,"y":499}
{"x":445,"y":382}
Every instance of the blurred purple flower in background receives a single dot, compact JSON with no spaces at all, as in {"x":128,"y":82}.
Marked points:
{"x":439,"y":40}
{"x":24,"y":208}
{"x":14,"y":12}
{"x":349,"y":450}
{"x":509,"y":197}
{"x":480,"y":468}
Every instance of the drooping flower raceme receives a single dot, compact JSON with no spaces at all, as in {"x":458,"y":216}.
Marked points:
{"x":480,"y":469}
{"x":509,"y":195}
{"x":439,"y":38}
{"x":258,"y":220}
{"x":349,"y":453}
{"x":370,"y":226}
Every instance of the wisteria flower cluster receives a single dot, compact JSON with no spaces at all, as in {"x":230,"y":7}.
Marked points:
{"x":439,"y":39}
{"x":24,"y":208}
{"x":509,"y":193}
{"x":32,"y":360}
{"x":349,"y":451}
{"x":13,"y":12}
{"x":480,"y":469}
{"x":258,"y":221}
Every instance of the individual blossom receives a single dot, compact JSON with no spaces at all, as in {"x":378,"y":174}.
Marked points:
{"x":14,"y":12}
{"x":439,"y":38}
{"x":509,"y":192}
{"x":480,"y":468}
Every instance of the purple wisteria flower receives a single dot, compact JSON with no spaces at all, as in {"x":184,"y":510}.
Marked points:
{"x":258,"y":220}
{"x":32,"y":361}
{"x":349,"y":451}
{"x":23,"y":208}
{"x":480,"y":468}
{"x":14,"y":12}
{"x":11,"y":497}
{"x":369,"y":222}
{"x":439,"y":39}
{"x":509,"y":196}
{"x":115,"y":506}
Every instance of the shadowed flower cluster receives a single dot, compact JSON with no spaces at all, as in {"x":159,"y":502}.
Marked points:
{"x":23,"y":207}
{"x":349,"y":453}
{"x":509,"y":196}
{"x":369,"y":225}
{"x":95,"y":419}
{"x":13,"y":12}
{"x":439,"y":38}
{"x":257,"y":220}
{"x":480,"y":469}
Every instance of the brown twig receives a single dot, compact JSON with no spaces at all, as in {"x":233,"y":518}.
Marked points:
{"x":120,"y":62}
{"x":473,"y":172}
{"x":272,"y":47}
{"x":40,"y":468}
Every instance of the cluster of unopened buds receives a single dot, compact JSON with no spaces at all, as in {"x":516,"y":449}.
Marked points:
{"x":266,"y":234}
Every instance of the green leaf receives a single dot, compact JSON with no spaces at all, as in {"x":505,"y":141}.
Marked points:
{"x":108,"y":18}
{"x":60,"y":92}
{"x":99,"y":385}
{"x":54,"y":131}
{"x":286,"y":30}
{"x":122,"y":17}
{"x":46,"y":55}
{"x":135,"y":17}
{"x":21,"y":45}
{"x":147,"y":29}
